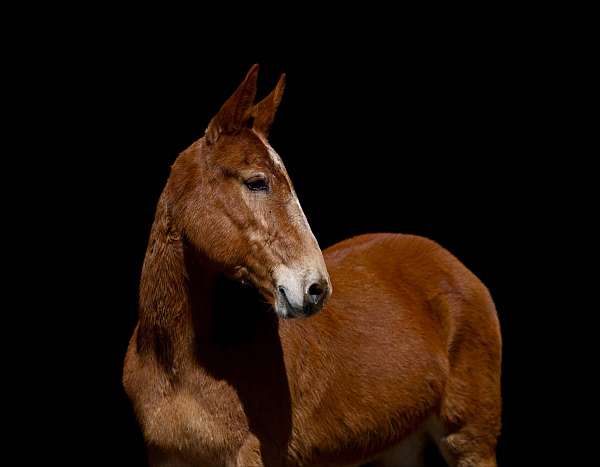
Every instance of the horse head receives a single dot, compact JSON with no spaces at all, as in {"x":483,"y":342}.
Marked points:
{"x":231,"y":198}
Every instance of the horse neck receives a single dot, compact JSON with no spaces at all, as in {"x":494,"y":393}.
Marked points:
{"x":176,"y":295}
{"x":190,"y":313}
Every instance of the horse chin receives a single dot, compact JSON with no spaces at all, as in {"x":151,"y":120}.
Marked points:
{"x":284,"y":312}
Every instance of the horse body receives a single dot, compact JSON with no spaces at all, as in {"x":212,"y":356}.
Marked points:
{"x":407,"y":346}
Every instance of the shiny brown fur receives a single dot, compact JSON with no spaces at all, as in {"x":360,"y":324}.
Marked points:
{"x":409,"y":341}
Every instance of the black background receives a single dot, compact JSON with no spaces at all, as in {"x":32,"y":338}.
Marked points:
{"x":469,"y":139}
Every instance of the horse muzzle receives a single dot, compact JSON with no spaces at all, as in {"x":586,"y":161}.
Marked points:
{"x":301,"y":298}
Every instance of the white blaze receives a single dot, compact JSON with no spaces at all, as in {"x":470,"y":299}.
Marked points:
{"x":296,"y":278}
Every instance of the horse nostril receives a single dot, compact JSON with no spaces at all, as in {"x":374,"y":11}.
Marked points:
{"x":316,"y":292}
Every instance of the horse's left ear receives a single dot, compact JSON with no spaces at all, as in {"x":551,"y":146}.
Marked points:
{"x":264,"y":112}
{"x":235,"y":112}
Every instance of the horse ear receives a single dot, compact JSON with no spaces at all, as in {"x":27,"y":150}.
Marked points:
{"x":235,"y":112}
{"x":264,"y":112}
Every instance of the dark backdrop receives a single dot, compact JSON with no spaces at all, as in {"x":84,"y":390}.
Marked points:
{"x":466,"y":141}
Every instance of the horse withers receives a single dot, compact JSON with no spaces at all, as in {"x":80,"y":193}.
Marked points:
{"x":394,"y":342}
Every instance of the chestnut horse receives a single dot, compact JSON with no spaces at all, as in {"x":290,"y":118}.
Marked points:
{"x":402,"y":343}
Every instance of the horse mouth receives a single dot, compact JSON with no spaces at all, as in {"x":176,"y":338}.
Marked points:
{"x":289,"y":311}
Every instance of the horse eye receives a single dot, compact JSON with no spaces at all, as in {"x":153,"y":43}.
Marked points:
{"x":257,"y":184}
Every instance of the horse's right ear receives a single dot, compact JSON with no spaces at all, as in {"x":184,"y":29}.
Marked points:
{"x":264,"y":112}
{"x":235,"y":112}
